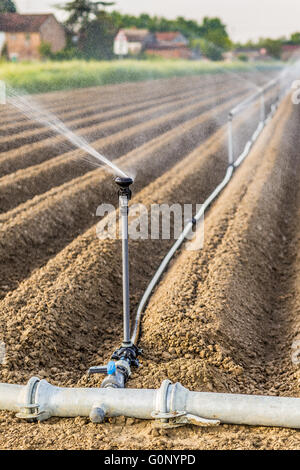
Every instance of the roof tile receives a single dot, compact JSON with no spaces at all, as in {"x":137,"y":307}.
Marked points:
{"x":16,"y":23}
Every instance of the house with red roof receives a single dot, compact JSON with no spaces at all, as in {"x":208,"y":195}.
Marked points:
{"x":22,"y":35}
{"x":170,"y":45}
{"x":290,"y":51}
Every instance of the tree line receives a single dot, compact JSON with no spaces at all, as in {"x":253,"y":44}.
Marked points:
{"x":91,"y":24}
{"x":91,"y":30}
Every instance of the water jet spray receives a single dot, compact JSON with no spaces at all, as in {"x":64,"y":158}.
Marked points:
{"x":33,"y":110}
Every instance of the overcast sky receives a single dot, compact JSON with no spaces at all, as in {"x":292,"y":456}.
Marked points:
{"x":246,"y":19}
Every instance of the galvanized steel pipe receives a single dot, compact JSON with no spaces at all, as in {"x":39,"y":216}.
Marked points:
{"x":171,"y":403}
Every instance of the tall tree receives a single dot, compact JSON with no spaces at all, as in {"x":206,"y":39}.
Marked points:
{"x":214,"y":31}
{"x":94,"y":29}
{"x":295,"y":38}
{"x":83,"y":11}
{"x":7,"y":6}
{"x":273,"y":46}
{"x":207,"y":48}
{"x":97,"y":37}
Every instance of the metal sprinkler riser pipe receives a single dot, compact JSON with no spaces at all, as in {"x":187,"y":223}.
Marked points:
{"x":124,"y":197}
{"x":123,"y":203}
{"x":117,"y":373}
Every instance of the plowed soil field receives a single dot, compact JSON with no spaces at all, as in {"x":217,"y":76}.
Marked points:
{"x":224,"y":318}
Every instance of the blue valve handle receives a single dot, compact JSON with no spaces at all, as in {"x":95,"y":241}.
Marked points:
{"x":109,"y":369}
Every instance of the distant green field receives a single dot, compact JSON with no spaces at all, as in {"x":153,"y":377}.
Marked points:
{"x":50,"y":76}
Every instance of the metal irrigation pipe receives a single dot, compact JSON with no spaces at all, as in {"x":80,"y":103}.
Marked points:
{"x":260,"y":94}
{"x":124,"y":197}
{"x":262,"y":107}
{"x":244,"y":104}
{"x":171,"y":405}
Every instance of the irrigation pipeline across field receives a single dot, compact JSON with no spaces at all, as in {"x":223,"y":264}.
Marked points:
{"x":52,"y":317}
{"x":249,"y":250}
{"x":188,"y":228}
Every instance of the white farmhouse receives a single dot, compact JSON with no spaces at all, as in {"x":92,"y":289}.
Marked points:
{"x":131,"y":41}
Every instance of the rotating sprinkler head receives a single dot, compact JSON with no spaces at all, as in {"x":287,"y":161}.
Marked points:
{"x":126,"y":356}
{"x":124,"y":184}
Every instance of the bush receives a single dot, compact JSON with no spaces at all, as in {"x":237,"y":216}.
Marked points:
{"x":243,"y":57}
{"x":45,"y":50}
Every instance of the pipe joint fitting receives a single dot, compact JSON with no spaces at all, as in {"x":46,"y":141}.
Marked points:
{"x":129,"y":353}
{"x":171,"y":401}
{"x":118,"y":377}
{"x":30,"y":410}
{"x":97,"y":414}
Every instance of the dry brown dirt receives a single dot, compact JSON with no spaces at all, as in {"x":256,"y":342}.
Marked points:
{"x":223,"y":318}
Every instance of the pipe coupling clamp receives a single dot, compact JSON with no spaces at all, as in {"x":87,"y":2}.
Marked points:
{"x":29,"y":410}
{"x":171,"y":408}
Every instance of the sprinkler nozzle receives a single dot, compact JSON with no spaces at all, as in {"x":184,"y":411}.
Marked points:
{"x":124,"y":184}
